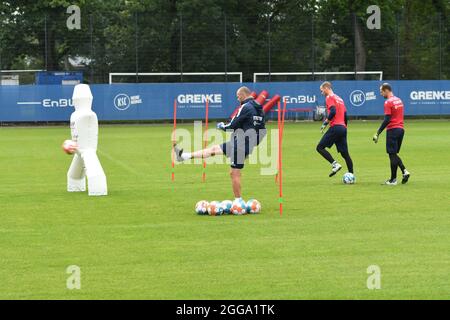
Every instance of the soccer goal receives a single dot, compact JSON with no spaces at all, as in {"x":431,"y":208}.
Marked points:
{"x":308,"y":76}
{"x":16,"y":77}
{"x":146,"y":77}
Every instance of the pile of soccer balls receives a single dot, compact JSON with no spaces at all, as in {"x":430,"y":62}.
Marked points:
{"x":227,"y":207}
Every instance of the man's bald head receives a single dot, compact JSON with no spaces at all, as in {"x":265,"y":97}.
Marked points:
{"x":326,"y":88}
{"x":243,"y":94}
{"x":327,"y":85}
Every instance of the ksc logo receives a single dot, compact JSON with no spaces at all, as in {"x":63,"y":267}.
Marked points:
{"x":122,"y":102}
{"x":357,"y":98}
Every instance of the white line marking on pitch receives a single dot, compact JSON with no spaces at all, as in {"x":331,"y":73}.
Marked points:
{"x":119,"y":163}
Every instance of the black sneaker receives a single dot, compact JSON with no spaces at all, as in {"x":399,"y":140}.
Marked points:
{"x":406,"y":176}
{"x":178,"y":153}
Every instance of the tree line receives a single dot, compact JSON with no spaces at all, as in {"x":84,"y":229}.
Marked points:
{"x":227,"y":35}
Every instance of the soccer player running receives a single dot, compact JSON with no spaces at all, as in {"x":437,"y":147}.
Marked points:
{"x":337,"y":133}
{"x":393,"y":121}
{"x":248,"y":127}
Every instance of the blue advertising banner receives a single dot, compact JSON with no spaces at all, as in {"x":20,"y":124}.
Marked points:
{"x":59,"y":78}
{"x":33,"y":103}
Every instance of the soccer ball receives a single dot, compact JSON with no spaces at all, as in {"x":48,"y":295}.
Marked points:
{"x":201,"y":207}
{"x":226,"y":206}
{"x":215,"y":208}
{"x":239,"y":207}
{"x":349,"y":178}
{"x":253,"y":206}
{"x":69,"y":146}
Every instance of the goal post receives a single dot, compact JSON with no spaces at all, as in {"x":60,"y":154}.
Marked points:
{"x":172,"y":74}
{"x":377,"y":74}
{"x":16,"y":77}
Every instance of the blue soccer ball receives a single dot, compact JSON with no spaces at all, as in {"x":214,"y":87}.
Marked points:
{"x":226,"y":206}
{"x":349,"y":178}
{"x":215,"y":208}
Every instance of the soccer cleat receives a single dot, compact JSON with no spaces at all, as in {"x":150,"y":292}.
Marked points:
{"x":390,"y":182}
{"x":406,"y":176}
{"x":178,"y":153}
{"x":335,"y":169}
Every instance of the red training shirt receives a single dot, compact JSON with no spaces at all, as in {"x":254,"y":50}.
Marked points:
{"x":394,"y":107}
{"x":338,"y":103}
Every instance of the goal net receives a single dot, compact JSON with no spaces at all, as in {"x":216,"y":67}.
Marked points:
{"x":17,"y":77}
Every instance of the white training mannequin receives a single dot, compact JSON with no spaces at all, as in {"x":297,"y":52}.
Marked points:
{"x":85,"y":164}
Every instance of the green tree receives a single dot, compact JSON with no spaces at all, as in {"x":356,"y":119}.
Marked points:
{"x":232,"y":35}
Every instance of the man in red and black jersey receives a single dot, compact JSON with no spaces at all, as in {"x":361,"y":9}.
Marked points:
{"x":337,"y":134}
{"x":393,"y":122}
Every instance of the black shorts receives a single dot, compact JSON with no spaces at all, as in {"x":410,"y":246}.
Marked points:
{"x":394,"y":139}
{"x":335,"y":135}
{"x":236,"y":152}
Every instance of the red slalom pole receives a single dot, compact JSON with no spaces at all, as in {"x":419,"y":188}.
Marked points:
{"x":262,"y":97}
{"x":282,"y":120}
{"x":271,"y":103}
{"x":205,"y":139}
{"x":281,"y":126}
{"x":279,"y":130}
{"x":281,"y":157}
{"x":174,"y":136}
{"x":279,"y":173}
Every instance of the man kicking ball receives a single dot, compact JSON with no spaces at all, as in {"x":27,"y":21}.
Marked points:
{"x":248,"y":127}
{"x":337,"y":134}
{"x":393,"y":121}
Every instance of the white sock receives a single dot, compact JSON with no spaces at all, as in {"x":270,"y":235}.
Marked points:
{"x":334,"y":163}
{"x":238,"y":199}
{"x":186,"y":155}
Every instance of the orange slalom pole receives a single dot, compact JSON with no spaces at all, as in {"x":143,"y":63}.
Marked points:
{"x":174,"y":136}
{"x":262,"y":97}
{"x":279,"y":173}
{"x":281,"y":122}
{"x":205,"y":139}
{"x":281,"y":157}
{"x":271,"y":103}
{"x":279,"y":129}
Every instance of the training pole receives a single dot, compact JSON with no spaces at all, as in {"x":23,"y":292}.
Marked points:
{"x":205,"y":139}
{"x":280,"y":128}
{"x":280,"y":199}
{"x":174,"y":140}
{"x":271,"y":103}
{"x":281,"y":119}
{"x":281,"y":156}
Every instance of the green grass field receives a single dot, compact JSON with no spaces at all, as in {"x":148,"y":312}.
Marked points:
{"x":144,"y":241}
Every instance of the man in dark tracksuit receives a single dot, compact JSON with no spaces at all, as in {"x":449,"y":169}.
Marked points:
{"x":248,"y":127}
